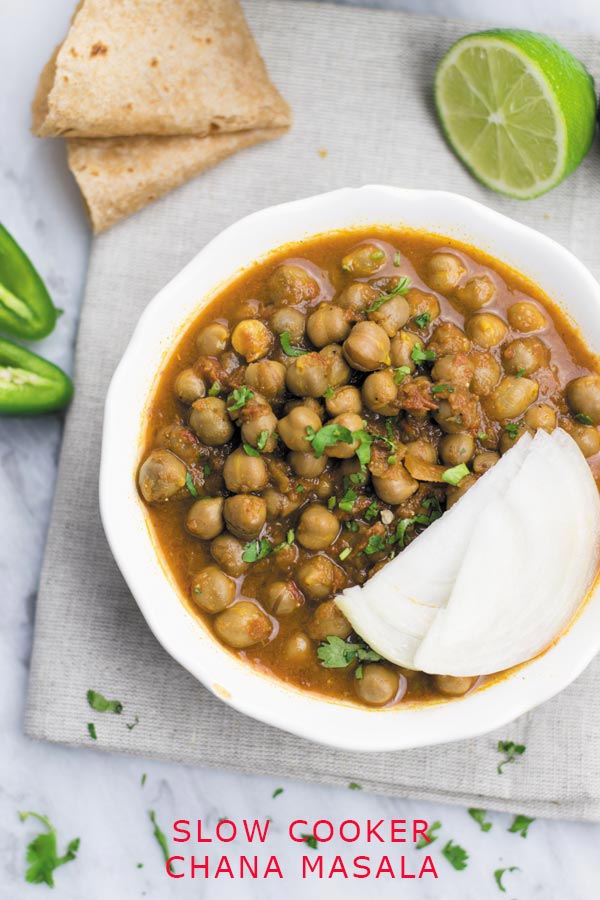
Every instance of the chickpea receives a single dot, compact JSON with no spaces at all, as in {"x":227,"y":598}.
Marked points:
{"x":243,"y":625}
{"x":356,"y":298}
{"x":380,"y":392}
{"x":352,"y":466}
{"x":396,"y":486}
{"x":306,"y":465}
{"x":452,"y":685}
{"x":422,"y":450}
{"x":508,"y":439}
{"x":454,"y":494}
{"x":342,"y":450}
{"x":210,"y":421}
{"x":212,"y":590}
{"x":291,"y":285}
{"x":161,"y":476}
{"x":247,"y":309}
{"x":267,"y":377}
{"x":227,"y":551}
{"x":318,"y":528}
{"x":260,"y":429}
{"x":294,"y":428}
{"x":288,"y":319}
{"x":189,"y":386}
{"x":524,"y":356}
{"x":311,"y":403}
{"x":181,"y":441}
{"x":212,"y":340}
{"x":456,"y":449}
{"x":367,"y":347}
{"x":251,"y":339}
{"x":243,"y":473}
{"x":298,"y":649}
{"x":364,"y":260}
{"x":307,"y":375}
{"x":205,"y":518}
{"x":345,"y":399}
{"x":449,"y":421}
{"x":523,"y":316}
{"x":583,"y":398}
{"x":280,"y":505}
{"x":338,"y":370}
{"x":317,"y":577}
{"x":477,"y":292}
{"x":283,"y":598}
{"x":328,"y":621}
{"x":541,"y":416}
{"x":391,"y":315}
{"x":325,"y":486}
{"x":327,"y":324}
{"x":486,"y":329}
{"x":586,"y":437}
{"x":378,"y":686}
{"x":420,"y":303}
{"x":444,"y":271}
{"x":448,"y":338}
{"x":484,"y":461}
{"x":511,"y":398}
{"x":245,"y":515}
{"x":401,"y":349}
{"x":456,"y":368}
{"x":486,"y":373}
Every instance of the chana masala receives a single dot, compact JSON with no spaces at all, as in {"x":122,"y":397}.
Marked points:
{"x":323,"y":410}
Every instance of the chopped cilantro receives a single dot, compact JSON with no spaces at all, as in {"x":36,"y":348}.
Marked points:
{"x":419,"y":355}
{"x":377,"y":254}
{"x":92,"y":731}
{"x":455,"y":475}
{"x":479,"y":816}
{"x":256,"y":549}
{"x":334,"y":653}
{"x":423,"y":320}
{"x":520,"y":373}
{"x":358,"y":478}
{"x":42,"y":853}
{"x":372,"y":510}
{"x":249,"y":450}
{"x":348,"y":500}
{"x":311,"y":840}
{"x":286,"y":345}
{"x":161,"y":839}
{"x":500,"y":872}
{"x":583,"y":419}
{"x":439,"y":388}
{"x":299,"y":489}
{"x":327,"y":436}
{"x":511,"y":750}
{"x":354,"y":786}
{"x":482,"y":436}
{"x":352,"y":526}
{"x":328,"y":393}
{"x":400,"y":374}
{"x":240,"y":397}
{"x":456,"y":855}
{"x":363,"y":451}
{"x":215,"y":389}
{"x":401,"y":288}
{"x":397,"y":258}
{"x":261,"y":442}
{"x":143,"y":779}
{"x":189,"y":482}
{"x":277,"y":792}
{"x":345,"y":553}
{"x":376,"y":544}
{"x":512,"y":429}
{"x":404,"y":524}
{"x":101,"y":704}
{"x":521,"y":825}
{"x":207,"y":470}
{"x":429,"y":837}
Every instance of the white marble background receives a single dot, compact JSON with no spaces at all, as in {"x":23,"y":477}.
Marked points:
{"x":100,"y":798}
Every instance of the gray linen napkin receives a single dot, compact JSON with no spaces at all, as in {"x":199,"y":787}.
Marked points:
{"x":360,"y":86}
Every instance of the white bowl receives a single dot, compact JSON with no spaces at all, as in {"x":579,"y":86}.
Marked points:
{"x":124,"y":516}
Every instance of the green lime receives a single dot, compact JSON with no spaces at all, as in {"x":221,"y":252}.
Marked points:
{"x":517,"y":108}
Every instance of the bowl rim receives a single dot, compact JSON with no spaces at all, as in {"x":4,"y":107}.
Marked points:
{"x":240,"y":685}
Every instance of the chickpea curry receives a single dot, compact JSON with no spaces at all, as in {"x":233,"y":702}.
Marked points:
{"x":323,"y":410}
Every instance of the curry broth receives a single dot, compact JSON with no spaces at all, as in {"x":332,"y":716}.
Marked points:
{"x":185,"y":554}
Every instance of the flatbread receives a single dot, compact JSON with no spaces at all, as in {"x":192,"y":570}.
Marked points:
{"x":156,"y":67}
{"x":118,"y":176}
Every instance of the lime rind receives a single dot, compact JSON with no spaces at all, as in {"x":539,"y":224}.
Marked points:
{"x":517,"y":109}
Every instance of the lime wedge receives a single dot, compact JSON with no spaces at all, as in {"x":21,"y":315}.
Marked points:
{"x":517,"y":108}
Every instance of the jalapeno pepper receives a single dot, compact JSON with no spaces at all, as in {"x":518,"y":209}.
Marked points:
{"x":30,"y":385}
{"x":26,"y":309}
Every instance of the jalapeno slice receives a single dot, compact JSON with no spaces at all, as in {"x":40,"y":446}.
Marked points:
{"x":26,"y":309}
{"x":30,"y":385}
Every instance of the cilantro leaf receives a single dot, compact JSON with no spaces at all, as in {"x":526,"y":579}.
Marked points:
{"x":363,"y":451}
{"x":456,"y":855}
{"x":512,"y":429}
{"x":423,"y":320}
{"x":345,"y":553}
{"x":335,"y":653}
{"x":161,"y":839}
{"x":42,"y":854}
{"x":92,"y":731}
{"x":189,"y":483}
{"x":419,"y":355}
{"x":439,"y":388}
{"x":249,"y":450}
{"x":372,"y":510}
{"x":430,"y":836}
{"x":277,"y":792}
{"x":328,"y":393}
{"x":455,"y":475}
{"x":311,"y":840}
{"x":286,"y":345}
{"x":354,"y":786}
{"x":521,"y":825}
{"x":376,"y":544}
{"x":215,"y":389}
{"x":262,"y":439}
{"x":240,"y":397}
{"x":479,"y":816}
{"x":397,"y":258}
{"x":377,"y":254}
{"x":101,"y":704}
{"x":401,"y":288}
{"x":401,"y":373}
{"x":511,"y":750}
{"x":327,"y":436}
{"x":500,"y":872}
{"x":348,"y":500}
{"x":256,"y":549}
{"x":583,"y":419}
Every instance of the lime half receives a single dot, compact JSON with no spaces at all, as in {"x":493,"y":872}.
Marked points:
{"x":517,"y":108}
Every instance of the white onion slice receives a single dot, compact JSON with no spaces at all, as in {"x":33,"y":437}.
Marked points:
{"x":528,"y":566}
{"x":395,"y":609}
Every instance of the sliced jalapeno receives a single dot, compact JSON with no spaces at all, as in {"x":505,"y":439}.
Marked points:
{"x":26,"y":309}
{"x":30,"y":385}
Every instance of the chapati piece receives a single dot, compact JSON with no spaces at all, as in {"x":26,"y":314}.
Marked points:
{"x":118,"y":176}
{"x":142,"y":67}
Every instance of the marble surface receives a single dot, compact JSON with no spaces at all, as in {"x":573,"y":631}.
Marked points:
{"x":100,"y":798}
